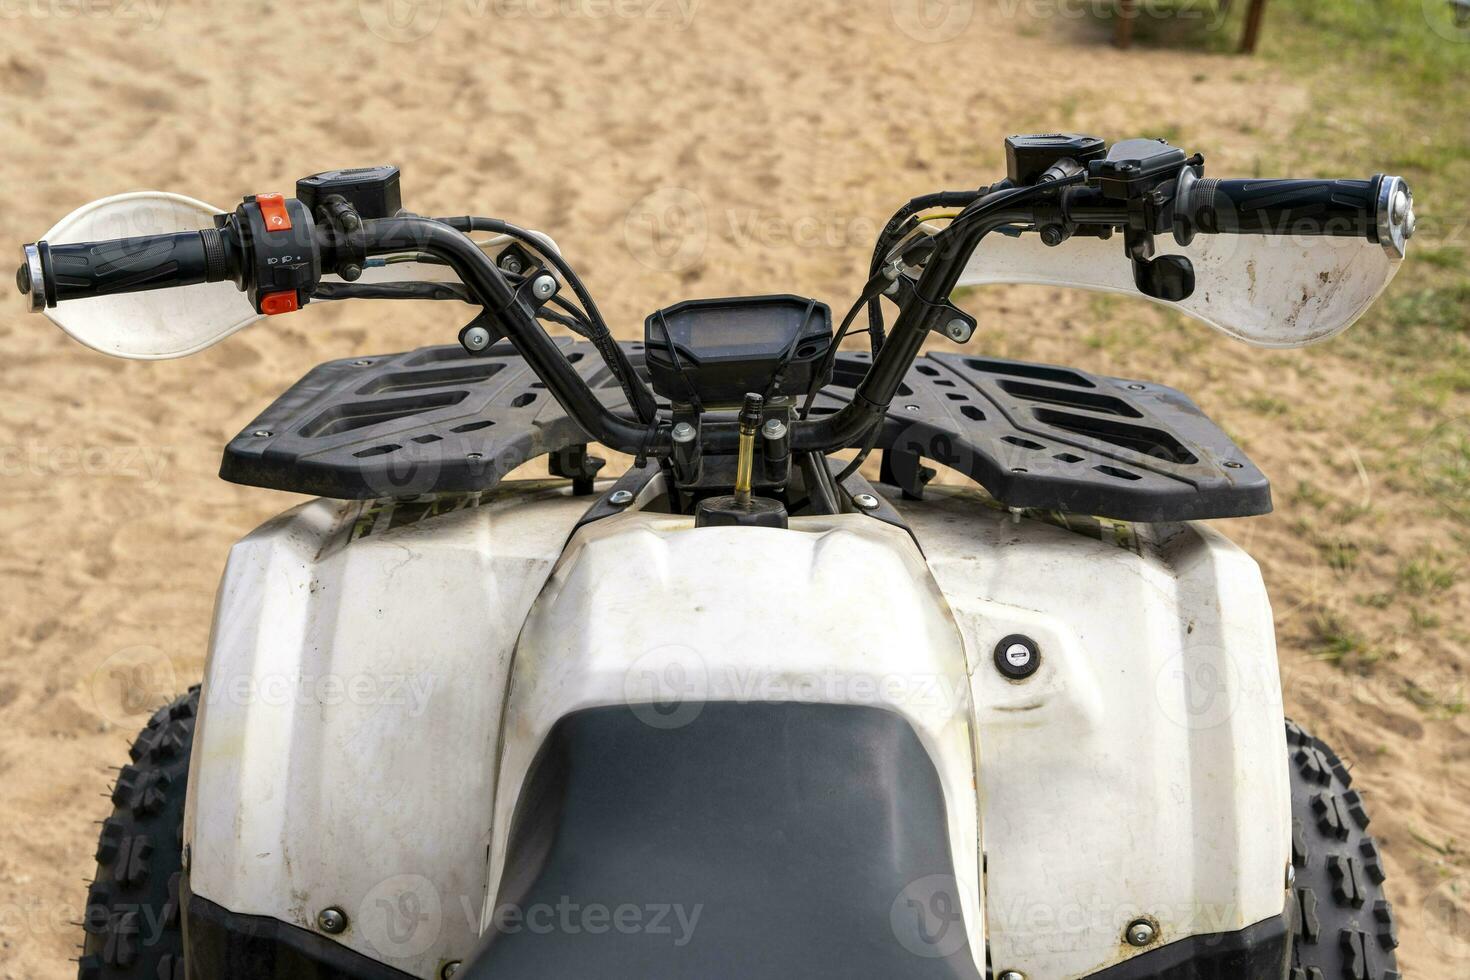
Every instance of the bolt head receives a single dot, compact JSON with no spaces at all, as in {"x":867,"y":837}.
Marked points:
{"x":544,"y":287}
{"x":620,"y":498}
{"x":683,"y":432}
{"x":866,"y":501}
{"x":1012,"y":975}
{"x":261,"y":433}
{"x":511,"y":264}
{"x":774,"y":429}
{"x":1140,"y":932}
{"x":450,"y":969}
{"x":351,"y":272}
{"x":958,"y":330}
{"x":476,"y":338}
{"x":331,"y":919}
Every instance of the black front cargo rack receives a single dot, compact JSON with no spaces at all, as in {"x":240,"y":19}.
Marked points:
{"x":436,"y":420}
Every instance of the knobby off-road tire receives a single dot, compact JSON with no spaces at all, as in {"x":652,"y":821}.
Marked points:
{"x":132,"y":920}
{"x":1343,"y":926}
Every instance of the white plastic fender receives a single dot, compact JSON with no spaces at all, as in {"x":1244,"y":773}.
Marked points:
{"x":356,"y":747}
{"x":351,"y":712}
{"x":1141,"y":771}
{"x":645,"y":606}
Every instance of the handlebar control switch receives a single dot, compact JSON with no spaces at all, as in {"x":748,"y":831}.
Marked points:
{"x":278,"y":235}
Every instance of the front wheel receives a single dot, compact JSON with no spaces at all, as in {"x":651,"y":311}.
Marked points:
{"x":132,"y":919}
{"x":1343,"y":927}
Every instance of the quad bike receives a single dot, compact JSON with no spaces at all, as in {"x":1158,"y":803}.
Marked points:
{"x":739,"y":712}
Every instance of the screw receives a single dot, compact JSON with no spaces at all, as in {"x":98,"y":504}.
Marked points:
{"x":351,"y":272}
{"x":1012,"y":975}
{"x":957,"y":330}
{"x":332,"y":919}
{"x":450,"y":969}
{"x":511,"y":264}
{"x":476,"y":339}
{"x":261,"y":433}
{"x":774,"y":429}
{"x":1233,"y":465}
{"x":473,"y":456}
{"x":911,"y":408}
{"x":620,"y":498}
{"x":1135,"y":387}
{"x":866,"y":501}
{"x":1052,"y":235}
{"x":684,"y":432}
{"x":1140,"y":932}
{"x":544,"y":287}
{"x":361,"y":363}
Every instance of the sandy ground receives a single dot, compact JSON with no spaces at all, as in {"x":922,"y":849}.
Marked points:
{"x":675,"y":149}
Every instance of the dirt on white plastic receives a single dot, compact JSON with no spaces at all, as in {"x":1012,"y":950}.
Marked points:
{"x":674,"y":148}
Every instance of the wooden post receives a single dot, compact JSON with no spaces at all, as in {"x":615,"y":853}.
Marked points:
{"x":1123,"y":30}
{"x":1253,"y":18}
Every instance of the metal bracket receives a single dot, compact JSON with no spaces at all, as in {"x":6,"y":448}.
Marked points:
{"x":952,"y":322}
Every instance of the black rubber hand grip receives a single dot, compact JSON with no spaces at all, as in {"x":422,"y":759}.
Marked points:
{"x":1336,"y":208}
{"x":129,"y":265}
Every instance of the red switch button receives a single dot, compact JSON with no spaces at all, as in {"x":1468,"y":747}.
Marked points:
{"x":273,"y":210}
{"x":282,"y":302}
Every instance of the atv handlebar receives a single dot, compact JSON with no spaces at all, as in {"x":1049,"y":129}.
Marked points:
{"x":1379,"y":210}
{"x":1143,"y":199}
{"x":54,"y":273}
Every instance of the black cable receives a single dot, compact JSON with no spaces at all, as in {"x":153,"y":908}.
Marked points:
{"x":789,"y":353}
{"x":640,"y":399}
{"x":393,"y":290}
{"x":874,"y":288}
{"x":894,"y":229}
{"x":861,"y":457}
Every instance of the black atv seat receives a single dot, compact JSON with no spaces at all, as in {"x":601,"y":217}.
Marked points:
{"x":749,"y":841}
